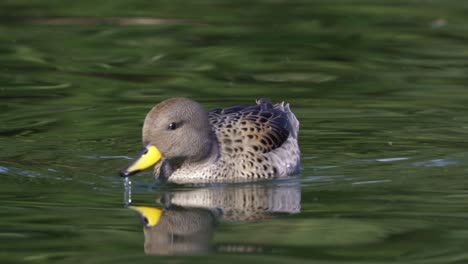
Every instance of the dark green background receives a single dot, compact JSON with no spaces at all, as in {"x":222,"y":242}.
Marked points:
{"x":380,"y":89}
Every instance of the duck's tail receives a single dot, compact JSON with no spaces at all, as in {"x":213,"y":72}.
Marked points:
{"x":287,"y":157}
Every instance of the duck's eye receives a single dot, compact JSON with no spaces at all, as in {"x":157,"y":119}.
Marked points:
{"x":172,"y":126}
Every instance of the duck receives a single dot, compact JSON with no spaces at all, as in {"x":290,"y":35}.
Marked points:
{"x":186,"y":144}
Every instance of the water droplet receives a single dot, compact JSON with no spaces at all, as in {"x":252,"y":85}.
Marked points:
{"x":127,"y":183}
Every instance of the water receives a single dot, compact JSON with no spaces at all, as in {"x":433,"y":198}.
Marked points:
{"x":379,"y":89}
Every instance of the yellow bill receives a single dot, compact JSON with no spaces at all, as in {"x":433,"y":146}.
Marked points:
{"x":148,"y":157}
{"x":149,"y":215}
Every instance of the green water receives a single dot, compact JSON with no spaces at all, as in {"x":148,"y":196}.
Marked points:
{"x":380,"y":89}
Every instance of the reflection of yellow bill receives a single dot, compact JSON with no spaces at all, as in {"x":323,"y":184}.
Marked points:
{"x":148,"y":157}
{"x":149,"y":215}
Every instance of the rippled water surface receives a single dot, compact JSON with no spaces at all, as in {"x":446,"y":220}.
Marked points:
{"x":380,"y":89}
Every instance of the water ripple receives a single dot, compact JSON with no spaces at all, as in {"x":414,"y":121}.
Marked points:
{"x":370,"y":182}
{"x":435,"y":163}
{"x":392,"y":159}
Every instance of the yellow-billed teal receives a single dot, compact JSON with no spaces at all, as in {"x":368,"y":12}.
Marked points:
{"x":235,"y":144}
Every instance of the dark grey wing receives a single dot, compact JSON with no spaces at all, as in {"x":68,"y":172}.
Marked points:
{"x":259,"y":128}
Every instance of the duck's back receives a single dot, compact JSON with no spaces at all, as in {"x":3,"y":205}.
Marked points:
{"x":256,"y":142}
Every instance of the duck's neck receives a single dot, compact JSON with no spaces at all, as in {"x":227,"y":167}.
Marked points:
{"x":213,"y":154}
{"x":208,"y":156}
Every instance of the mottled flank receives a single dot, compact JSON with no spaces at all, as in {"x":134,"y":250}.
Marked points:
{"x":252,"y":138}
{"x":249,"y":143}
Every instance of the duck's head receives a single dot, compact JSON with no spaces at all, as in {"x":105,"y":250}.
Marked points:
{"x":177,"y":130}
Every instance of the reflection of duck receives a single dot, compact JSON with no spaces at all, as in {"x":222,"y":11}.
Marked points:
{"x":177,"y":231}
{"x":186,"y":224}
{"x":245,"y":202}
{"x":236,"y":144}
